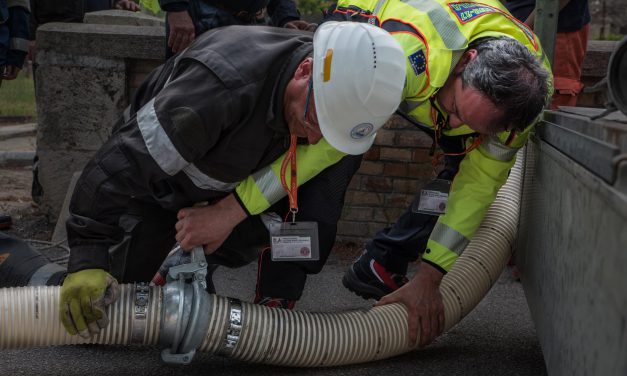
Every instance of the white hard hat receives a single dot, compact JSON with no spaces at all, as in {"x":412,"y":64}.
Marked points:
{"x":358,"y":79}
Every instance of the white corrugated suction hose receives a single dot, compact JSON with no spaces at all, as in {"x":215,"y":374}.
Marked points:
{"x":252,"y":333}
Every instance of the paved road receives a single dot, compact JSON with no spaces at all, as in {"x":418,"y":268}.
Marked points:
{"x":497,"y":338}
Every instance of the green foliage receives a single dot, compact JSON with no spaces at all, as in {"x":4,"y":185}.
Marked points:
{"x":313,"y":7}
{"x":17,"y":97}
{"x":610,"y":36}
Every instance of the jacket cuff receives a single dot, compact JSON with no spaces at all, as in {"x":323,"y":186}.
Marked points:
{"x":88,"y":257}
{"x":438,"y":267}
{"x":439,"y":256}
{"x":241,"y":203}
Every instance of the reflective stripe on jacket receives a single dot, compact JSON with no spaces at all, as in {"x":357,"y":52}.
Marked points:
{"x":434,"y":35}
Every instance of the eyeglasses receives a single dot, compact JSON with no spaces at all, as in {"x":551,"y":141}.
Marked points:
{"x":309,"y":124}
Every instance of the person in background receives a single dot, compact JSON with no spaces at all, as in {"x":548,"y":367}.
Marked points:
{"x":571,"y":43}
{"x":13,"y":37}
{"x":187,"y":19}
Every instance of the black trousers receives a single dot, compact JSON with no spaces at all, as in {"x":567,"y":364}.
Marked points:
{"x":150,"y":236}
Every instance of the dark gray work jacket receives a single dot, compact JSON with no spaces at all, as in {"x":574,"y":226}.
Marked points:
{"x":198,"y":125}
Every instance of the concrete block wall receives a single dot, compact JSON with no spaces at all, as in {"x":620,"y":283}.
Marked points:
{"x":83,"y":84}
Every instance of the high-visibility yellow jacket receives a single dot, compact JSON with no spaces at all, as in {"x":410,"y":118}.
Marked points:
{"x":434,"y":35}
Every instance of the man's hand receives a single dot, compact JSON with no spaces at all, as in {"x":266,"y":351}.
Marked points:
{"x":209,"y":225}
{"x":84,"y":298}
{"x":127,"y":5}
{"x":10,"y":72}
{"x":425,"y":310}
{"x":301,"y":25}
{"x":182,"y":32}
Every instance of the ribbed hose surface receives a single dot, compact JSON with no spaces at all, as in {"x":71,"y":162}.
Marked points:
{"x":29,"y":317}
{"x":306,"y":339}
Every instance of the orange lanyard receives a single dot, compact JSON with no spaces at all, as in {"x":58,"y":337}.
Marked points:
{"x":292,"y":190}
{"x":439,"y":122}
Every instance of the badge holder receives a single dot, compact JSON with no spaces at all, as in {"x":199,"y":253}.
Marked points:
{"x":433,"y":198}
{"x":294,"y":241}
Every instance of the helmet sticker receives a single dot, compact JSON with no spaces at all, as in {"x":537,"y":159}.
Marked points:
{"x":361,"y":130}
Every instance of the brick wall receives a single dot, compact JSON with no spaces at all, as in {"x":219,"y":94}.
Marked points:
{"x":390,"y":174}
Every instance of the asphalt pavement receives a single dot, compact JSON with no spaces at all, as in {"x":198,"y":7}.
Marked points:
{"x":497,"y":338}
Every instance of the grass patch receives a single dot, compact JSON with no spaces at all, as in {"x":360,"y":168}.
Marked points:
{"x":17,"y":97}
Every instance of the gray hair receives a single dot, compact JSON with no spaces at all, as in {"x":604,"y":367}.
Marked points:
{"x":511,"y":77}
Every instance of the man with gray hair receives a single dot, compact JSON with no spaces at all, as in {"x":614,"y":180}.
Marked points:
{"x":477,"y":80}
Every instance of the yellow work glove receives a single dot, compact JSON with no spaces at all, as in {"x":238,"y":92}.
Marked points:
{"x":84,"y":298}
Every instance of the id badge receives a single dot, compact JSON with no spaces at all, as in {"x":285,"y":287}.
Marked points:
{"x":432,"y":198}
{"x":294,"y":241}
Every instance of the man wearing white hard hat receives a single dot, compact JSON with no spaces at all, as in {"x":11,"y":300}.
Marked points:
{"x":210,"y":126}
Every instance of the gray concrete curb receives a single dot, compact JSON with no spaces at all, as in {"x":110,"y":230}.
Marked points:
{"x":14,"y":131}
{"x":16,"y":158}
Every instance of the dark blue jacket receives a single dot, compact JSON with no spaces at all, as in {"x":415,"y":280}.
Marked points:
{"x":14,"y":32}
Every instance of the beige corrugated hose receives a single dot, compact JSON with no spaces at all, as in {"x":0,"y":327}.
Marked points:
{"x":252,"y":333}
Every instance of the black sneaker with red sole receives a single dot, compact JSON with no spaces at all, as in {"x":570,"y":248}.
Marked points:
{"x":369,"y":279}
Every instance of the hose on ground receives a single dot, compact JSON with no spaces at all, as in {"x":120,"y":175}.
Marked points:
{"x":253,"y":333}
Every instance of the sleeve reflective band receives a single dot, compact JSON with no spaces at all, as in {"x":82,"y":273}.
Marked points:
{"x":496,"y":149}
{"x":444,"y":245}
{"x":439,"y":255}
{"x":262,"y":189}
{"x":159,"y":145}
{"x":448,"y":237}
{"x":447,"y":28}
{"x":165,"y":154}
{"x":19,"y":44}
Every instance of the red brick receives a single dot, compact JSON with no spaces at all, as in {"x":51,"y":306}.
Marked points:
{"x":352,"y":228}
{"x":387,"y":215}
{"x":421,"y":155}
{"x":405,"y":186}
{"x":373,"y":154}
{"x":352,"y":213}
{"x":397,"y":122}
{"x":355,"y":182}
{"x":420,"y":171}
{"x":385,"y":137}
{"x":395,"y":169}
{"x":354,"y":239}
{"x":398,"y":200}
{"x":396,"y":154}
{"x":371,"y":168}
{"x":413,"y":138}
{"x":360,"y":198}
{"x":376,"y":184}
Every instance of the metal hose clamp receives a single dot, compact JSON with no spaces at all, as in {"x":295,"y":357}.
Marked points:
{"x":140,"y":313}
{"x":234,"y":330}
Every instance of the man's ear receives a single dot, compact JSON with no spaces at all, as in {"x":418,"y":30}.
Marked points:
{"x":304,"y":69}
{"x":468,"y":56}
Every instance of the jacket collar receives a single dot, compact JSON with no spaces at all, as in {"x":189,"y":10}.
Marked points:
{"x":275,"y":117}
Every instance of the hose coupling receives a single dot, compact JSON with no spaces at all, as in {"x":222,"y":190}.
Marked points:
{"x":186,"y":307}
